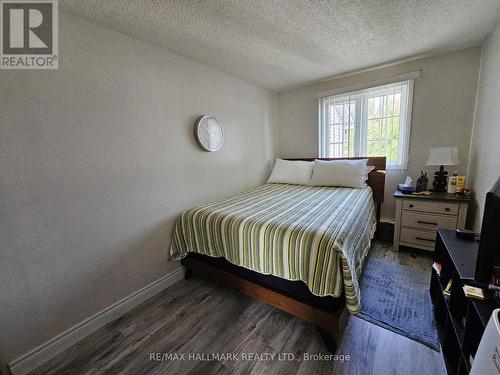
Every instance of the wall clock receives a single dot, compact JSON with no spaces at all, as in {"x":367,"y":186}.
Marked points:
{"x":209,"y":133}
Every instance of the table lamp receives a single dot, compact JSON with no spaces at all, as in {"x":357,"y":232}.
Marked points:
{"x":442,"y":156}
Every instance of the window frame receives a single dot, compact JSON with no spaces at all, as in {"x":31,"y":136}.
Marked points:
{"x":361,"y":96}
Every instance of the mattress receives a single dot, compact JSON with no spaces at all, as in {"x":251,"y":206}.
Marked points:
{"x":318,"y":235}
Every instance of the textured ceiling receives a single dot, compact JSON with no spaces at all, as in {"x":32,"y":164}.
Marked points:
{"x":282,"y":44}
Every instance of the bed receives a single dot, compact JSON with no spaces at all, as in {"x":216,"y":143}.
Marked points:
{"x":299,"y":248}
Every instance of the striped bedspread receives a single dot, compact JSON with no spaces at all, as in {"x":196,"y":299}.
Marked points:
{"x":319,"y":235}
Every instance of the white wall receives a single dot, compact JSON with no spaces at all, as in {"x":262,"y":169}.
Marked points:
{"x":97,"y":161}
{"x":443,"y":109}
{"x":484,"y":166}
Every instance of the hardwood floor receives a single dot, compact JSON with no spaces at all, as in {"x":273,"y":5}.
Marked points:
{"x":201,"y":316}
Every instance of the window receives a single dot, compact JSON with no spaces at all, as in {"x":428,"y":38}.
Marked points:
{"x":369,"y":122}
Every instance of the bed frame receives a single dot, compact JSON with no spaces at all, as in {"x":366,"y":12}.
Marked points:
{"x":293,"y":297}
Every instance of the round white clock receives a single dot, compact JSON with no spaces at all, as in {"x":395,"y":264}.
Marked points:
{"x":209,"y":133}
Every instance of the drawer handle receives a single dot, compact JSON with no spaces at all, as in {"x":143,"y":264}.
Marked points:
{"x":426,"y":222}
{"x":424,"y":239}
{"x":411,"y":205}
{"x":447,"y":209}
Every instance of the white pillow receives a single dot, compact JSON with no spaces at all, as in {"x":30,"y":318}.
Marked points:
{"x":345,"y":173}
{"x":291,"y":172}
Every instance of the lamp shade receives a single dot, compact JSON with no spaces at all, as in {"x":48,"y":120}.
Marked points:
{"x":443,"y":156}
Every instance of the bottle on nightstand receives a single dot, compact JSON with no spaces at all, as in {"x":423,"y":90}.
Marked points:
{"x":452,"y":183}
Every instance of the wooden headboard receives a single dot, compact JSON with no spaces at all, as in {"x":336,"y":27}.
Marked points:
{"x":376,"y":178}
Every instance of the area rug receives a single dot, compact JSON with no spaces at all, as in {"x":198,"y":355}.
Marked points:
{"x":397,"y":298}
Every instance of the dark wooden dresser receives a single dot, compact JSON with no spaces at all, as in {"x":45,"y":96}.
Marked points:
{"x":461,"y":321}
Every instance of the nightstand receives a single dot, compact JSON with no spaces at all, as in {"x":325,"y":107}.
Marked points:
{"x":419,"y":216}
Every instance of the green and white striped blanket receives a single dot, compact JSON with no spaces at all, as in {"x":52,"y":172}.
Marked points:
{"x":319,"y":235}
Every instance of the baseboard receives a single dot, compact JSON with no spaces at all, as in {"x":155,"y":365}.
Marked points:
{"x":35,"y":358}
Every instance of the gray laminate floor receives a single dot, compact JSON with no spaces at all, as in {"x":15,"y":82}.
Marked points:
{"x":201,"y":316}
